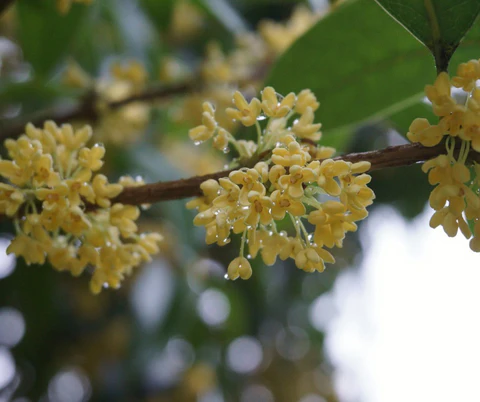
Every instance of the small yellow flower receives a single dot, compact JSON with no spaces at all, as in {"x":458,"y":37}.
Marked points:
{"x":91,"y":158}
{"x":209,"y":126}
{"x":246,"y":113}
{"x":467,"y":74}
{"x":250,"y":180}
{"x":304,"y":127}
{"x":306,"y":99}
{"x":260,"y":209}
{"x":239,"y":267}
{"x":124,"y":217}
{"x":104,"y":191}
{"x":283,"y":203}
{"x":294,"y":154}
{"x":439,"y":94}
{"x":421,"y":131}
{"x":273,"y":107}
{"x":31,"y":250}
{"x":309,"y":259}
{"x":10,"y":199}
{"x":293,"y":182}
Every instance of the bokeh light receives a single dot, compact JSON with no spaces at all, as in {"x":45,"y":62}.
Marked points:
{"x":12,"y":326}
{"x":244,"y":354}
{"x":7,"y":262}
{"x":69,"y":385}
{"x":213,"y":307}
{"x":7,"y":367}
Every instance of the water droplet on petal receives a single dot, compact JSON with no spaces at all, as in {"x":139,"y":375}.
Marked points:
{"x":249,"y":256}
{"x":226,"y":150}
{"x":226,"y":277}
{"x":261,"y":117}
{"x":197,"y":142}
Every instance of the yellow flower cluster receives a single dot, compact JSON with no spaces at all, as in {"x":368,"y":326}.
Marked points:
{"x":62,"y":208}
{"x":118,"y":125}
{"x":63,"y":6}
{"x":455,"y":197}
{"x":299,"y":182}
{"x":243,"y":67}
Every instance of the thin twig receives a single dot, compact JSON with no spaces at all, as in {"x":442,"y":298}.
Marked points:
{"x":86,"y":109}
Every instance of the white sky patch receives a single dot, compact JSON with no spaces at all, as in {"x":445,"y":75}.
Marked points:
{"x":406,"y":325}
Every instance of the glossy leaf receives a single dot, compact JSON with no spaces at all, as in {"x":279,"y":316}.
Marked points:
{"x":439,"y":24}
{"x":359,"y":76}
{"x":45,"y":34}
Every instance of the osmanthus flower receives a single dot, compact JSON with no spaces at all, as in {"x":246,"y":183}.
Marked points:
{"x":246,"y":113}
{"x":455,"y":198}
{"x":251,"y":201}
{"x":62,"y":208}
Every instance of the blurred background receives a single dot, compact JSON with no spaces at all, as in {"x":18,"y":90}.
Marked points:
{"x":394,"y":319}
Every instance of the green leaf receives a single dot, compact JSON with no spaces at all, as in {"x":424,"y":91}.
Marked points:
{"x":439,"y":24}
{"x":45,"y":35}
{"x":356,"y":76}
{"x":159,"y":12}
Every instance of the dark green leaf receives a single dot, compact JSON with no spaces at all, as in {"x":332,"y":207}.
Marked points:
{"x":439,"y":24}
{"x":159,"y":12}
{"x":359,"y":76}
{"x":45,"y":34}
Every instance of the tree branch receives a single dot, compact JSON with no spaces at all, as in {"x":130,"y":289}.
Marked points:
{"x":86,"y":110}
{"x":396,"y":156}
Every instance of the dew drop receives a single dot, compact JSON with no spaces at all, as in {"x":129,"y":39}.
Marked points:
{"x":261,"y":117}
{"x":226,"y":150}
{"x":197,"y":142}
{"x":226,"y":277}
{"x":270,"y":233}
{"x":249,"y":256}
{"x":105,"y":285}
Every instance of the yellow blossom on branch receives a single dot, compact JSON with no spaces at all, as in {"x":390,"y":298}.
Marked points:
{"x":455,"y":198}
{"x":62,"y":208}
{"x":251,"y":201}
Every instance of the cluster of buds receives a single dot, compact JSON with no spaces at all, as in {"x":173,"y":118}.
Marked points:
{"x":62,"y":209}
{"x":299,"y":182}
{"x":116,"y":124}
{"x":455,"y":199}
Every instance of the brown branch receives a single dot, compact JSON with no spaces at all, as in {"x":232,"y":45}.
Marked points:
{"x":86,"y":110}
{"x":402,"y":155}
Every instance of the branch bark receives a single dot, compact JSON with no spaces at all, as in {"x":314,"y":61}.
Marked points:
{"x":396,"y":156}
{"x":86,"y":110}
